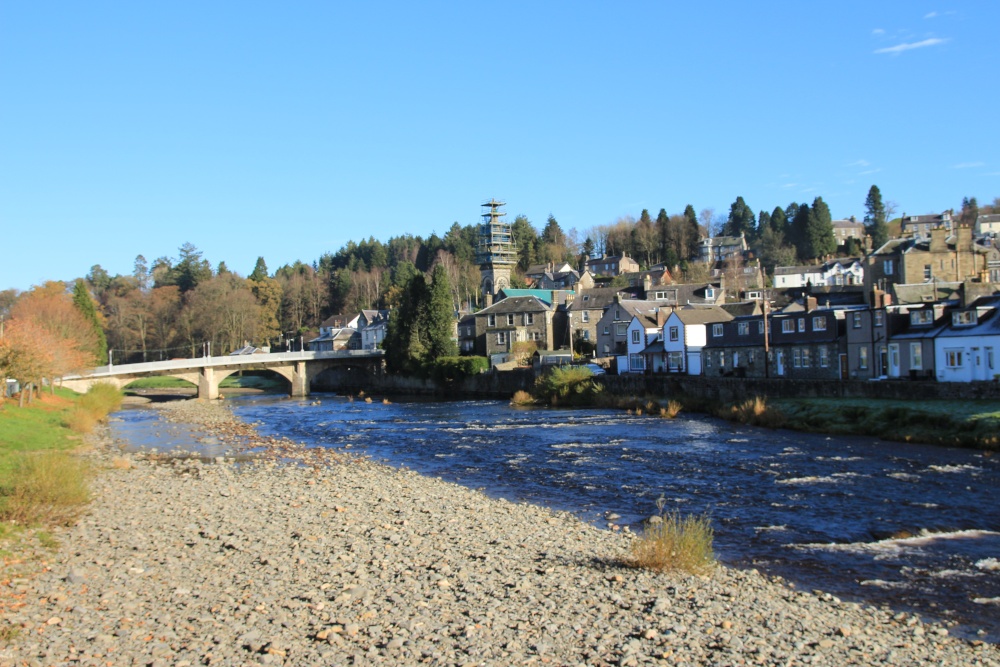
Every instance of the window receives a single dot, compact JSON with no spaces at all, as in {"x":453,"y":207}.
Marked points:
{"x":819,"y":324}
{"x":736,"y":359}
{"x":510,"y":319}
{"x":787,"y":326}
{"x":607,"y":331}
{"x":760,"y":327}
{"x":879,"y":317}
{"x":856,"y":320}
{"x":618,"y":314}
{"x":750,"y":357}
{"x":586,"y":334}
{"x":717,"y":329}
{"x":709,"y":293}
{"x":529,"y":318}
{"x":621,"y":328}
{"x":927,"y":271}
{"x":636,"y":363}
{"x":963,"y":318}
{"x":805,"y":357}
{"x":916,"y":356}
{"x":585,"y":316}
{"x":887,"y":267}
{"x":953,"y":357}
{"x":797,"y":358}
{"x":675,"y":361}
{"x":863,"y":358}
{"x":674,"y":334}
{"x":491,"y":320}
{"x":635,"y":336}
{"x":722,"y":359}
{"x":802,"y":324}
{"x":824,"y":357}
{"x":501,"y":338}
{"x":922,"y":316}
{"x":743,"y":328}
{"x":989,"y":358}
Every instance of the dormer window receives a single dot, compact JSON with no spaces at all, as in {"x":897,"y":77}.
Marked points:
{"x":963,"y":318}
{"x":709,"y":293}
{"x":918,"y":317}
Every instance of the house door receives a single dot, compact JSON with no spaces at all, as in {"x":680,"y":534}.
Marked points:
{"x":780,"y":362}
{"x":978,"y":367}
{"x":843,"y":367}
{"x":883,"y":361}
{"x":894,"y":360}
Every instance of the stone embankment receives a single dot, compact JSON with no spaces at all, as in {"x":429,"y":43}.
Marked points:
{"x":306,"y":558}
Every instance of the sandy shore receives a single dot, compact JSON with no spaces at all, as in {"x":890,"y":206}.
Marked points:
{"x":303,"y":557}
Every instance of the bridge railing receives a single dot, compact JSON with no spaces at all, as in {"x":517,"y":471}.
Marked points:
{"x":227,"y":360}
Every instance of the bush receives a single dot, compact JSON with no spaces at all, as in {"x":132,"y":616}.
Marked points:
{"x":451,"y":369}
{"x":522,"y":398}
{"x":674,"y":543}
{"x":93,"y":407}
{"x":567,"y":385}
{"x":46,"y":487}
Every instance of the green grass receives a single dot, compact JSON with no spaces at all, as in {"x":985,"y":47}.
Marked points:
{"x":159,"y":382}
{"x":954,"y":423}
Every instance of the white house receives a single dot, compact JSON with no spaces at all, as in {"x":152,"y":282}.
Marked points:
{"x":829,"y":274}
{"x":684,"y":334}
{"x":967,"y":350}
{"x":641,"y":331}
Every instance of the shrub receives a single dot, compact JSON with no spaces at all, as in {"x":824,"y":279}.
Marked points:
{"x":672,"y":542}
{"x":755,"y":411}
{"x":567,"y":385}
{"x":450,"y":369}
{"x":46,"y":487}
{"x":672,"y":410}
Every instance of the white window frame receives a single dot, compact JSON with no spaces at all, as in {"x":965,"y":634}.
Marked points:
{"x":675,"y":334}
{"x":743,"y":328}
{"x":585,"y":316}
{"x":824,"y":357}
{"x":796,"y":358}
{"x":917,"y":356}
{"x":953,"y":357}
{"x":491,"y":320}
{"x":856,"y":320}
{"x":717,"y":330}
{"x":635,"y":337}
{"x":788,"y":326}
{"x":501,"y":338}
{"x":529,"y":319}
{"x":819,"y":323}
{"x":510,"y":319}
{"x":863,"y":358}
{"x":802,"y":325}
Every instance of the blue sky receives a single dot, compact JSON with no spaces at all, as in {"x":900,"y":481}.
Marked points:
{"x":287,"y":129}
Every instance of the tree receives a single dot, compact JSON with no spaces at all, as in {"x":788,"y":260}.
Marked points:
{"x":259,"y":270}
{"x":875,"y":218}
{"x":140,"y":271}
{"x":440,"y":317}
{"x":191,"y":268}
{"x":763,"y":222}
{"x":970,"y":212}
{"x":741,"y":220}
{"x":694,"y":233}
{"x":817,"y":239}
{"x":85,"y":304}
{"x":644,"y":238}
{"x":405,"y":346}
{"x":779,"y":222}
{"x":525,"y":238}
{"x":267,"y":292}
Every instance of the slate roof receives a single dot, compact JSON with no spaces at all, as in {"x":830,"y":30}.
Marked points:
{"x":596,"y":298}
{"x":547,"y":296}
{"x":702,"y":315}
{"x":517,"y":304}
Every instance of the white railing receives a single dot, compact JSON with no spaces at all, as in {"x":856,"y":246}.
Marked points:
{"x":227,"y":360}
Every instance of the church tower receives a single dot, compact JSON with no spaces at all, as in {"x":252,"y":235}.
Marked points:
{"x":497,"y":252}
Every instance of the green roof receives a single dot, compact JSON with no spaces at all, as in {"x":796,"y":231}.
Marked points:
{"x":545,"y":295}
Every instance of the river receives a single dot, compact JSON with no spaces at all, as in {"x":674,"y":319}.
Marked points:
{"x":911,"y":526}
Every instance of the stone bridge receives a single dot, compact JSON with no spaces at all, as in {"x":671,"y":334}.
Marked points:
{"x":299,"y":368}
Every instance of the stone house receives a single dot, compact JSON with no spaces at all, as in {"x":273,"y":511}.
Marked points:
{"x":612,"y":265}
{"x":519,"y":319}
{"x":805,"y":345}
{"x":740,"y":347}
{"x":988,"y":224}
{"x":920,"y":226}
{"x":587,"y":307}
{"x":832,"y":273}
{"x":940,"y":258}
{"x":717,"y":249}
{"x":848,"y":229}
{"x":641,"y":331}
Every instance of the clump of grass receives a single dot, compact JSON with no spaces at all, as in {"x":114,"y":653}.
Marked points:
{"x":675,"y":543}
{"x":755,"y":411}
{"x":93,"y":407}
{"x":9,"y":632}
{"x":570,"y":385}
{"x":672,"y":410}
{"x":47,"y":487}
{"x":522,"y":398}
{"x":121,"y":463}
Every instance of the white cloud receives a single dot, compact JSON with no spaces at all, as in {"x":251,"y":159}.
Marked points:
{"x":870,"y":171}
{"x":878,"y":31}
{"x":899,"y":48}
{"x":859,"y":163}
{"x":930,"y":15}
{"x":968,"y":165}
{"x":993,"y":173}
{"x":790,"y":185}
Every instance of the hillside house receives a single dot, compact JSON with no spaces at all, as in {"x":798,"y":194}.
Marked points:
{"x":685,"y":334}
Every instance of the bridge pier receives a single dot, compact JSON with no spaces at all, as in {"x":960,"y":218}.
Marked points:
{"x":300,"y":380}
{"x":208,"y":386}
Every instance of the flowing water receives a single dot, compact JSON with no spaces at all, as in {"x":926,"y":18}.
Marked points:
{"x":911,"y":526}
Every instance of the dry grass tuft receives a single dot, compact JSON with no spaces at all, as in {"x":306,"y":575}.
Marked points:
{"x":121,"y":463}
{"x":675,"y":543}
{"x":522,"y":398}
{"x":672,"y":410}
{"x":48,"y":487}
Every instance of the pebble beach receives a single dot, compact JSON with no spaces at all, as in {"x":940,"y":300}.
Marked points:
{"x":304,"y":556}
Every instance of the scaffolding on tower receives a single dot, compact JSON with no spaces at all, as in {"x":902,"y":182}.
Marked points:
{"x":496,"y":239}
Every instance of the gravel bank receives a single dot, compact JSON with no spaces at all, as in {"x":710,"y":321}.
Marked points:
{"x":300,"y":557}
